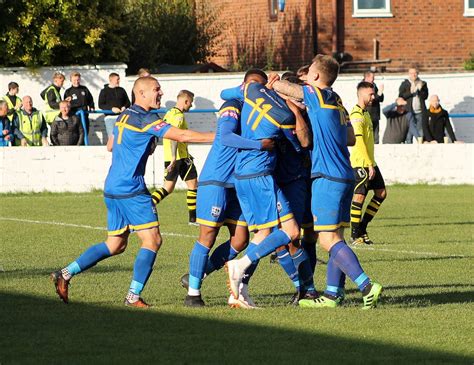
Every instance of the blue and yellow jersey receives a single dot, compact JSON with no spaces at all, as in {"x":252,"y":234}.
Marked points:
{"x":219,"y":166}
{"x":291,"y":164}
{"x":329,"y":119}
{"x":133,"y":135}
{"x":264,"y":115}
{"x":362,"y":154}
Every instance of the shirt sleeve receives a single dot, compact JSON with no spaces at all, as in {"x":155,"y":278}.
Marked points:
{"x":230,"y":139}
{"x":157,"y":128}
{"x":173,"y":118}
{"x":290,"y":135}
{"x":233,"y":93}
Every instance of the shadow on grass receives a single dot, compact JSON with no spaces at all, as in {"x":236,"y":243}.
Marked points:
{"x":21,"y":273}
{"x":39,"y":330}
{"x":430,"y":299}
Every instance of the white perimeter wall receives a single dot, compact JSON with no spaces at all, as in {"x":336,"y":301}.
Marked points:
{"x":456,"y":91}
{"x":84,"y":168}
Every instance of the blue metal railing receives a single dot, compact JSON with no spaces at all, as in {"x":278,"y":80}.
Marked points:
{"x":82,"y":115}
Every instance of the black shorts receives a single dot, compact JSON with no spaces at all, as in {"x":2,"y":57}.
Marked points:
{"x":363,"y":184}
{"x":183,"y":168}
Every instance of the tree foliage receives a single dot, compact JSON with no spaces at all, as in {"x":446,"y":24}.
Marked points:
{"x":58,"y":32}
{"x":169,"y":31}
{"x":143,"y":33}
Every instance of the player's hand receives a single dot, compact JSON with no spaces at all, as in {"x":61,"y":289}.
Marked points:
{"x":5,"y":132}
{"x":171,"y":166}
{"x":267,"y":144}
{"x":116,"y":110}
{"x":381,"y":88}
{"x":371,"y":172}
{"x":23,"y":142}
{"x":272,"y":77}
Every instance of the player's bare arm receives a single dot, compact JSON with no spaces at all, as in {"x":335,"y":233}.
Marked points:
{"x":287,"y":88}
{"x":186,"y":135}
{"x":302,"y":131}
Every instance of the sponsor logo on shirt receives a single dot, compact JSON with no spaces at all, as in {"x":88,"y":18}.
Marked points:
{"x":231,"y":114}
{"x":160,"y":125}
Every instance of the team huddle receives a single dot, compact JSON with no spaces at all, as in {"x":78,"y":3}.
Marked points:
{"x":279,"y":167}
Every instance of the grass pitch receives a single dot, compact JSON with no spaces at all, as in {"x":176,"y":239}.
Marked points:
{"x":423,"y":256}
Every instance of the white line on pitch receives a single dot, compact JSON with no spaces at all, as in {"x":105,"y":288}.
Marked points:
{"x":82,"y":226}
{"x":190,"y":236}
{"x":404,"y":251}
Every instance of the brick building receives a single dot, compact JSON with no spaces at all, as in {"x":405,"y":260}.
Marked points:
{"x":432,"y":34}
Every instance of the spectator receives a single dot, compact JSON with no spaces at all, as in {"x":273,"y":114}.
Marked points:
{"x":437,"y":122}
{"x":415,"y":92}
{"x":143,"y":72}
{"x":12,"y":99}
{"x":80,"y":96}
{"x":398,"y":121}
{"x":66,"y":129}
{"x":113,"y":97}
{"x":52,"y":97}
{"x":374,"y":108}
{"x":6,"y":135}
{"x":31,"y":124}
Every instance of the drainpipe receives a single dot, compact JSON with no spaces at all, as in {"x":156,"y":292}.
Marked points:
{"x":314,"y":27}
{"x":335,"y":28}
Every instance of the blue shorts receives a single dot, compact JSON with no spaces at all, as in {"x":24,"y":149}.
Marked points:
{"x":262,"y":202}
{"x":133,"y":213}
{"x":331,"y":204}
{"x":217,"y":205}
{"x":298,"y":194}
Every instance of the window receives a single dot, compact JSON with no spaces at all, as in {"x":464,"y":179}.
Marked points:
{"x":373,"y":8}
{"x":468,"y":7}
{"x":273,"y":10}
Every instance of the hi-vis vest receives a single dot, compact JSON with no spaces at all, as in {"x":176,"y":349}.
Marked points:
{"x":30,"y":127}
{"x":50,"y":114}
{"x":12,"y":109}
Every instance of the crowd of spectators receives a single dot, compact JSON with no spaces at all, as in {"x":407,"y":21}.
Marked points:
{"x":408,"y":117}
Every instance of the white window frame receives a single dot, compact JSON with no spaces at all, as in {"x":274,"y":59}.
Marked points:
{"x":467,"y":10}
{"x":371,"y":13}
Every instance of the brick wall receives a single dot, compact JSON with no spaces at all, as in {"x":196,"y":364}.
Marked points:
{"x":250,"y":39}
{"x":432,"y":34}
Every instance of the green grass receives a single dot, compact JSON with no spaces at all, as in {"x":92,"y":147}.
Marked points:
{"x":423,"y":257}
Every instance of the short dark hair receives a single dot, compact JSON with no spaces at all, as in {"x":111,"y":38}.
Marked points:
{"x":293,"y":79}
{"x":364,"y":85}
{"x":303,"y":70}
{"x":328,"y":67}
{"x":287,"y":74}
{"x":255,"y":71}
{"x":114,"y":74}
{"x":13,"y":85}
{"x":367,"y":73}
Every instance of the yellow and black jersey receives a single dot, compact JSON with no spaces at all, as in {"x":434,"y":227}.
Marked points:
{"x":175,"y":117}
{"x":362,"y":154}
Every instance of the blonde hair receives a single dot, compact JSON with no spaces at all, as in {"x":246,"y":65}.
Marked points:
{"x":185,"y":93}
{"x":328,"y":68}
